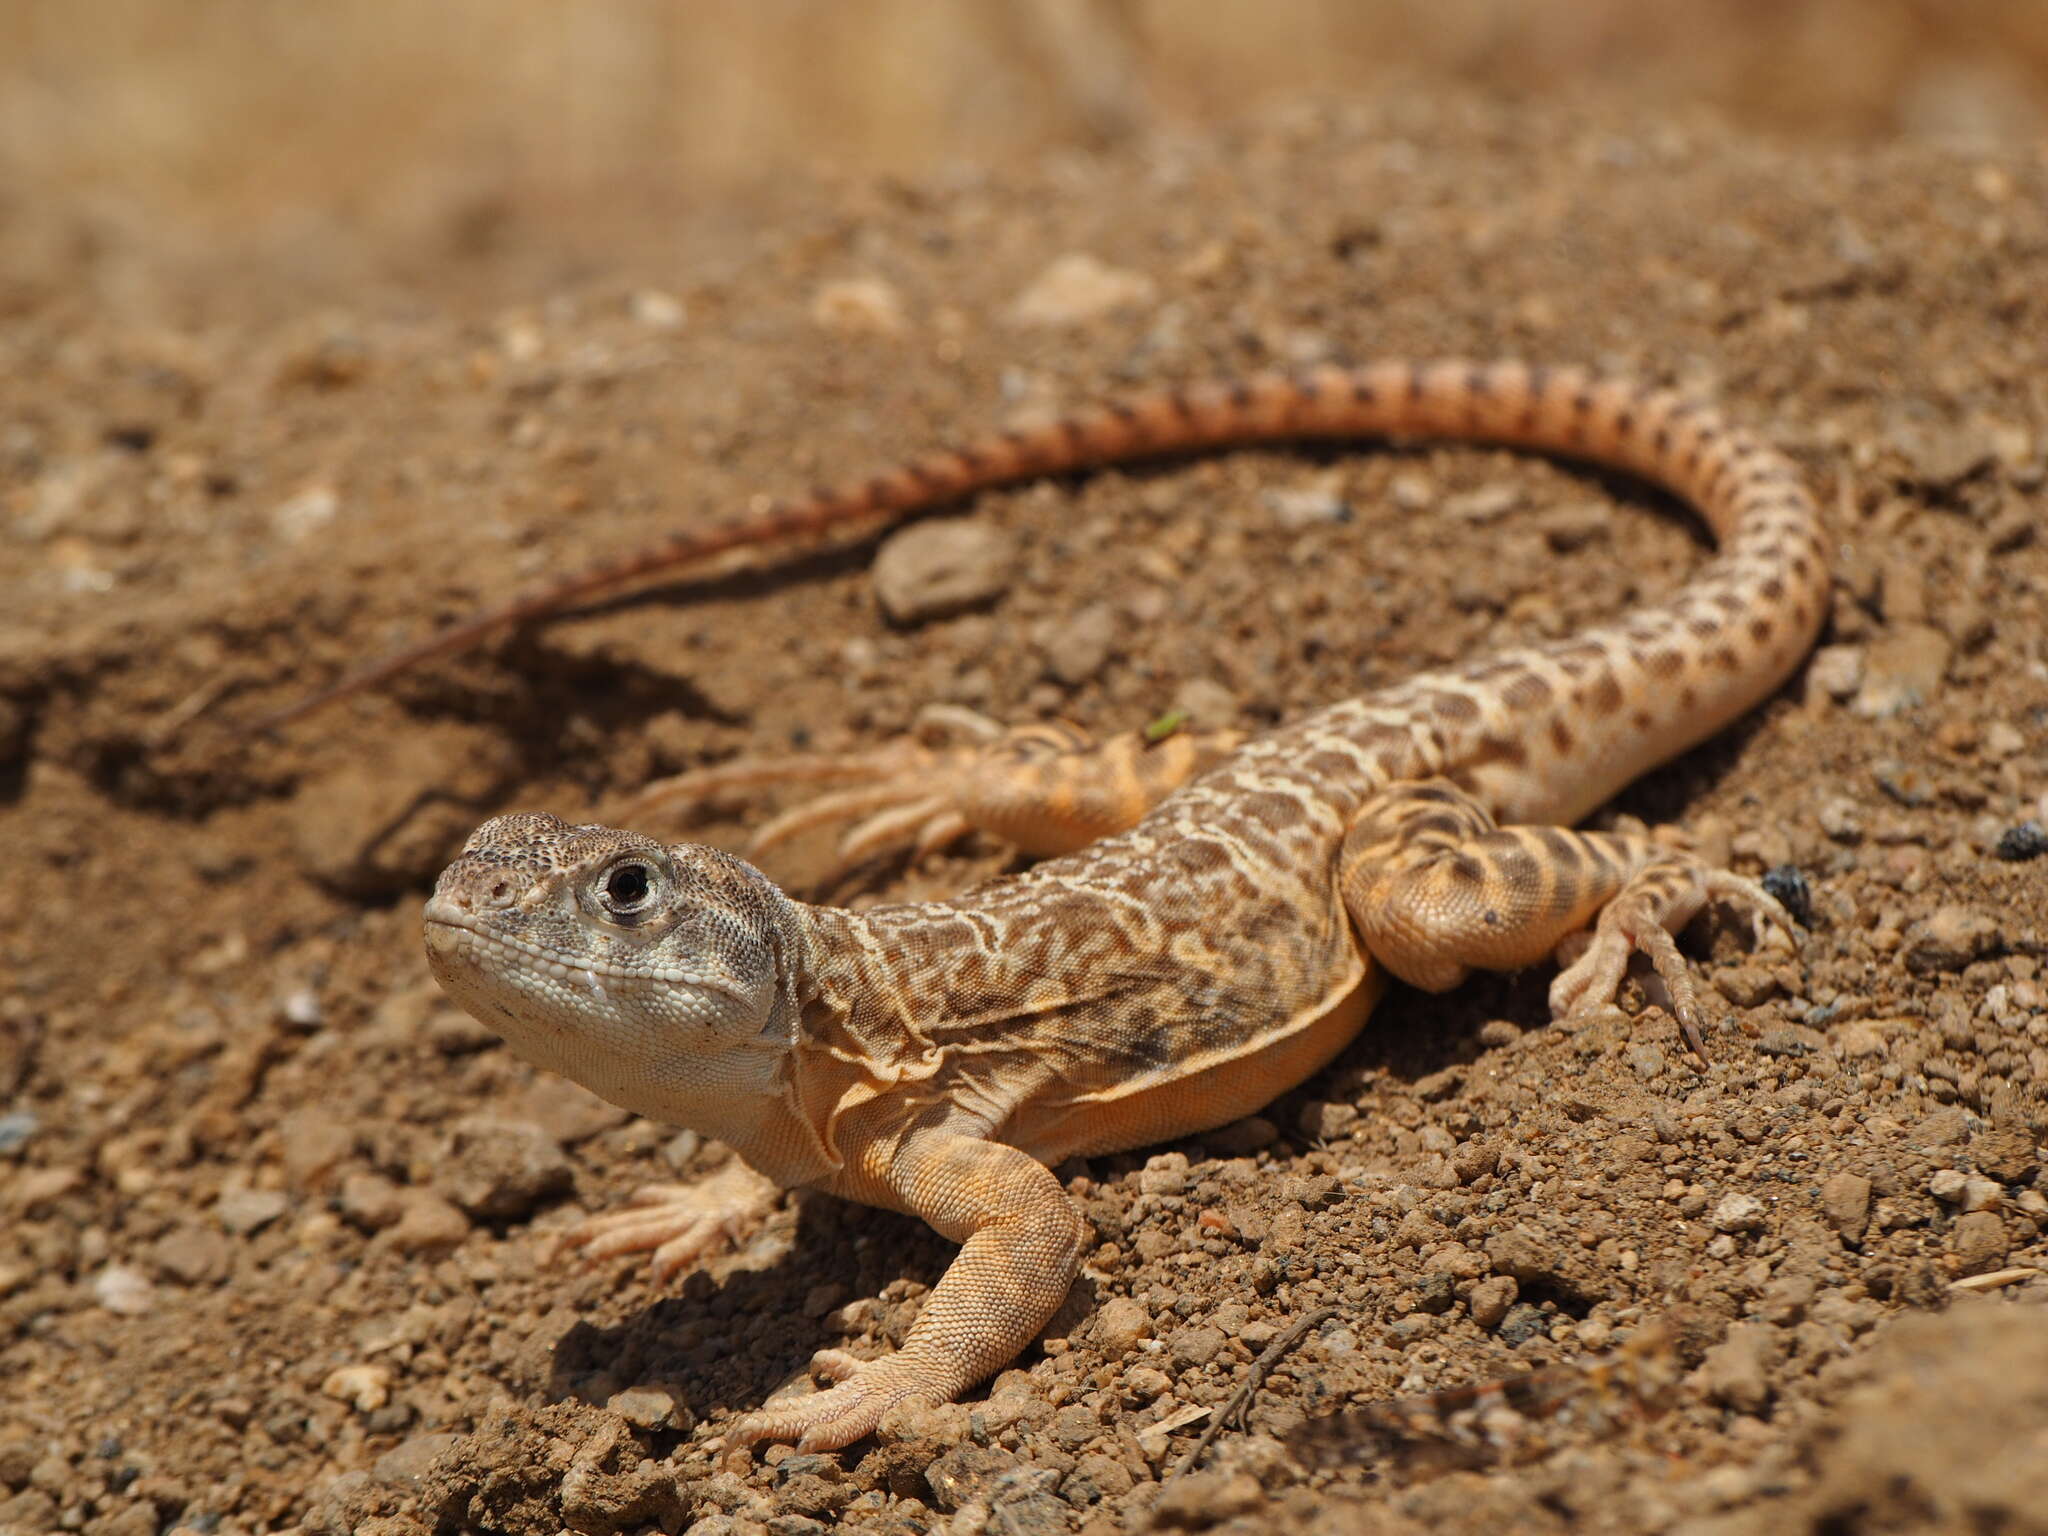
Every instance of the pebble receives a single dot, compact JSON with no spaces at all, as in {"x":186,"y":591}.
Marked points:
{"x":2017,"y":844}
{"x":1902,"y":668}
{"x":306,"y":511}
{"x":1191,"y":1347}
{"x":501,"y":1170}
{"x":192,"y":1254}
{"x":17,"y":1128}
{"x":1738,"y":1213}
{"x":243,"y":1211}
{"x":371,"y":1201}
{"x":1836,"y":670}
{"x":1490,"y":1299}
{"x":1305,"y":507}
{"x":1165,"y":1174}
{"x":1979,"y":1242}
{"x":1948,"y":939}
{"x":124,"y":1290}
{"x":1845,"y":1203}
{"x":650,"y":1408}
{"x":1077,"y":288}
{"x":858,"y":306}
{"x":656,"y":310}
{"x":931,"y":570}
{"x":428,"y":1224}
{"x":1121,"y":1325}
{"x":1841,"y":820}
{"x":1078,"y":647}
{"x":366,"y":1387}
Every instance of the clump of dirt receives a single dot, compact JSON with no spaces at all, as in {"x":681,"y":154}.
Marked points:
{"x":276,"y":1213}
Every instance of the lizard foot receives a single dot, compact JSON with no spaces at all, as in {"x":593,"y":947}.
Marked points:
{"x":1659,"y":900}
{"x":903,"y":795}
{"x":678,"y":1223}
{"x":863,"y":1394}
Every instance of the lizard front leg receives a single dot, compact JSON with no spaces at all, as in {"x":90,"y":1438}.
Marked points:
{"x":1045,"y":788}
{"x":1437,"y":890}
{"x":1021,"y":1242}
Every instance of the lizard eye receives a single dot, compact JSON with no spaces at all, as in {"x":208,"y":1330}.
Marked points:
{"x":628,"y":889}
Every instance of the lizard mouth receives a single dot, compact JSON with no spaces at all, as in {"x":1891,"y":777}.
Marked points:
{"x":453,"y":934}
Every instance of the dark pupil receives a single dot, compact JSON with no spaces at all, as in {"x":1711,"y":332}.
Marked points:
{"x":627,"y":885}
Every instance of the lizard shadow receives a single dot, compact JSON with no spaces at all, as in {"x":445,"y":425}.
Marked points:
{"x":726,"y":1343}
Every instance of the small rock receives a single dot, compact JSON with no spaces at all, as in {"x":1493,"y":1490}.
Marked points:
{"x":1077,"y":288}
{"x":1079,"y":647}
{"x":192,"y":1254}
{"x":650,"y":1408}
{"x":1903,"y":668}
{"x":1946,"y":1185}
{"x":1979,"y":1242}
{"x":1164,"y":1174}
{"x":1845,"y":1202}
{"x":17,"y":1128}
{"x":962,"y":1473}
{"x":428,"y":1224}
{"x":1735,"y":1372}
{"x":371,"y":1201}
{"x":858,"y":306}
{"x":312,"y":1144}
{"x":1206,"y":703}
{"x":1490,"y":1299}
{"x":1191,"y":1347}
{"x":1738,"y":1213}
{"x":1981,"y":1194}
{"x":500,"y":1170}
{"x":2017,"y":844}
{"x":1788,"y":884}
{"x":1522,"y":1323}
{"x":1948,"y":940}
{"x":1836,"y":670}
{"x":311,"y":508}
{"x":366,"y":1388}
{"x":656,"y":310}
{"x":1121,"y":1325}
{"x":124,"y":1291}
{"x":1306,"y":506}
{"x":931,"y":570}
{"x":242,"y":1211}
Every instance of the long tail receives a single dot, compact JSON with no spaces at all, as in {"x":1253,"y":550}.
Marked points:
{"x":1749,"y":494}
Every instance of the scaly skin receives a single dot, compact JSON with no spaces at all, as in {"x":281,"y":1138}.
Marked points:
{"x":1213,"y":944}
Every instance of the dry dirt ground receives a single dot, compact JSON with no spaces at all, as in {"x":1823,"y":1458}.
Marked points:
{"x":273,"y":1216}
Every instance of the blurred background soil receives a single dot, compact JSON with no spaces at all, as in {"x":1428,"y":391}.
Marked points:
{"x":321,"y":324}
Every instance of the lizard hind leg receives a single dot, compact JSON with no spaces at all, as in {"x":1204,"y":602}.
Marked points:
{"x":1436,"y":890}
{"x":1044,"y":789}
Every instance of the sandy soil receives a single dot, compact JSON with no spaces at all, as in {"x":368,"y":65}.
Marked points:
{"x":273,"y":1217}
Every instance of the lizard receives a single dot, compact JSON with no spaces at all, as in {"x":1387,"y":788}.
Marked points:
{"x":1217,"y":918}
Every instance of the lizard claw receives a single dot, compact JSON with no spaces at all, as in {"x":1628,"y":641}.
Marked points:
{"x":1659,"y":901}
{"x":902,"y":795}
{"x":841,"y":1414}
{"x":678,"y":1223}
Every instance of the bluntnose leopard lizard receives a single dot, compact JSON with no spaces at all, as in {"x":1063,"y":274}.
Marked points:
{"x":1219,"y":916}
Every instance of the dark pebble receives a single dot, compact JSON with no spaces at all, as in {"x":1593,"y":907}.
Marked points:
{"x":1788,"y":884}
{"x":2028,"y":840}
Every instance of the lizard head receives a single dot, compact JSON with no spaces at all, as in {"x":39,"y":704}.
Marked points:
{"x":657,"y":977}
